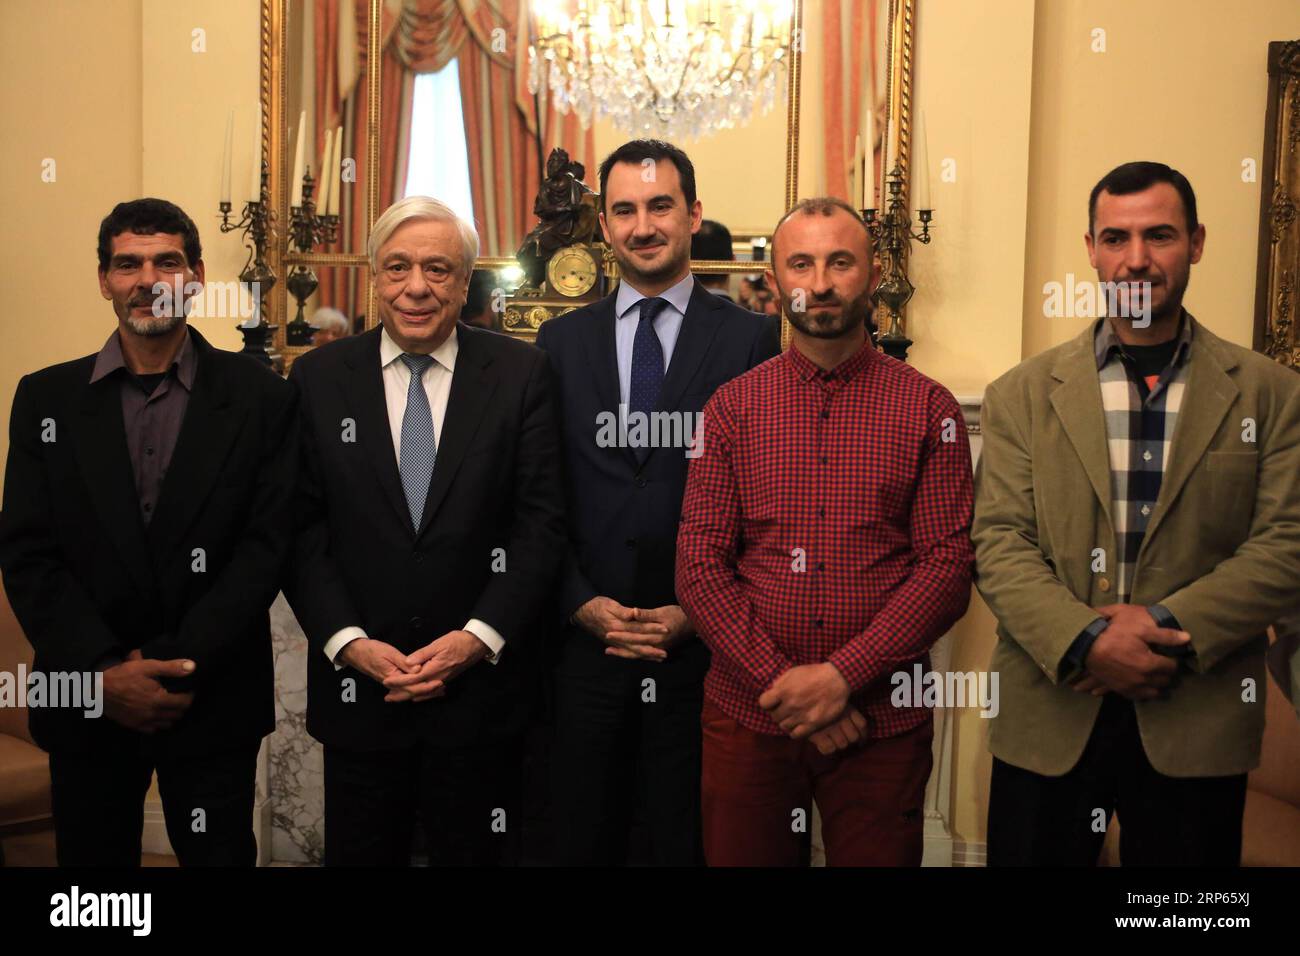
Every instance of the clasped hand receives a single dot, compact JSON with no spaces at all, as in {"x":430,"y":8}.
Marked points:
{"x":418,"y":676}
{"x":1122,"y":660}
{"x":812,"y":701}
{"x":634,"y":633}
{"x":135,"y":697}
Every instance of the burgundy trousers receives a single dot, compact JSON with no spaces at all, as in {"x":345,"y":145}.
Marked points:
{"x":758,"y":791}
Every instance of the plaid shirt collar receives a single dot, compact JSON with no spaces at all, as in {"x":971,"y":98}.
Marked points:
{"x":1106,"y":343}
{"x":808,"y":370}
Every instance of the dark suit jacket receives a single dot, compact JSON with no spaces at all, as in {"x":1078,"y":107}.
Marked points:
{"x":496,"y":485}
{"x":88,"y":580}
{"x":625,"y":506}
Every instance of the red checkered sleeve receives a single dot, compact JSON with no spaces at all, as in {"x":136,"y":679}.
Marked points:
{"x":707,"y":583}
{"x":937,"y":591}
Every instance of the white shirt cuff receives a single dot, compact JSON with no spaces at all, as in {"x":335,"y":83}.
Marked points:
{"x":488,"y":635}
{"x":340,"y":640}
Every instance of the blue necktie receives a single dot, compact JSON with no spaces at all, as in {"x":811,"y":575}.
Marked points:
{"x":647,"y":359}
{"x":419,"y":450}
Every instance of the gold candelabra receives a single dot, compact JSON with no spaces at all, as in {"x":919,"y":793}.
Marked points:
{"x":257,"y":223}
{"x":306,"y":229}
{"x":892,"y":234}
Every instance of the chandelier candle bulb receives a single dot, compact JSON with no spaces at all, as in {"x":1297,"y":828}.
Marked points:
{"x":255,"y":180}
{"x":298,"y":158}
{"x":225,"y":158}
{"x":921,"y":178}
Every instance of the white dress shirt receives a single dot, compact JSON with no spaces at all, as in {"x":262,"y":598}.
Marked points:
{"x":627,"y":309}
{"x":437,"y":386}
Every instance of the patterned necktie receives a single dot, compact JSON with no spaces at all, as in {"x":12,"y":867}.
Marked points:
{"x":419,"y":450}
{"x":647,"y":359}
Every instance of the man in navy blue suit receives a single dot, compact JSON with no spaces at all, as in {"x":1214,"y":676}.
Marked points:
{"x":635,"y":370}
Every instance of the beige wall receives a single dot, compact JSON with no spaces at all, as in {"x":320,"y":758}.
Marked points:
{"x":70,"y":89}
{"x":111,"y":91}
{"x":1181,"y":82}
{"x":189,"y":98}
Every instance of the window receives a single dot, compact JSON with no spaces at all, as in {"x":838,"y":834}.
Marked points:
{"x":438,"y":164}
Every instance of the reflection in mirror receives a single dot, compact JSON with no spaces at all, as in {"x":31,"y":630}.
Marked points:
{"x":467,"y":129}
{"x":325,"y":114}
{"x":337,"y":307}
{"x":845,"y":102}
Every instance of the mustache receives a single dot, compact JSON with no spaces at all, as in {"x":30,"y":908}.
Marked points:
{"x":642,"y":243}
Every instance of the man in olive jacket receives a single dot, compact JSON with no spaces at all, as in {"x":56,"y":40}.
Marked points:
{"x":1137,"y":528}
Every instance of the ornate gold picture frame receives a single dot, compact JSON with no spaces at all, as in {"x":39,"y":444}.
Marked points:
{"x":275,"y":144}
{"x":1279,"y":223}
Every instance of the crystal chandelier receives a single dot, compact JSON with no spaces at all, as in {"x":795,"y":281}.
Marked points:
{"x":672,"y":69}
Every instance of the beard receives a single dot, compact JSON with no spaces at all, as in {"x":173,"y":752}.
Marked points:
{"x":819,"y":323}
{"x":153,"y":325}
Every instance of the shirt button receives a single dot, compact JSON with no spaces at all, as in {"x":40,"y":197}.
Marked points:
{"x":1146,"y":456}
{"x":641,"y":482}
{"x":148,"y":506}
{"x":417,"y":557}
{"x":1146,"y":510}
{"x":148,"y":451}
{"x":1104,"y":584}
{"x":416,"y":622}
{"x":824,"y":459}
{"x":821,"y":512}
{"x":821,"y":565}
{"x":817,"y":623}
{"x":826,"y":413}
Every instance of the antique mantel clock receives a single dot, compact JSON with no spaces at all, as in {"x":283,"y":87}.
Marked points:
{"x":564,"y":266}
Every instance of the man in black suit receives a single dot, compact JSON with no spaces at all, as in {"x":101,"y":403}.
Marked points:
{"x":628,"y":687}
{"x":146,"y":520}
{"x":432,"y":513}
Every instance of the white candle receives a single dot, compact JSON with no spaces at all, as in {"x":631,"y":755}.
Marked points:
{"x":921,"y":170}
{"x":298,"y":157}
{"x":255,"y":180}
{"x":335,"y":175}
{"x":225,"y":157}
{"x":868,"y":94}
{"x":884,"y":163}
{"x":322,"y":202}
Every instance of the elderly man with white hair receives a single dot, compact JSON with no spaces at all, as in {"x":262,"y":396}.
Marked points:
{"x":431,"y":514}
{"x":330,"y":325}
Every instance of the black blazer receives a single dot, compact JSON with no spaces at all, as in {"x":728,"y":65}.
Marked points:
{"x":88,"y":580}
{"x":357,"y":561}
{"x":625,"y":506}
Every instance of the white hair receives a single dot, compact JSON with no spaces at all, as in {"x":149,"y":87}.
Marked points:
{"x":421,"y":207}
{"x":326,"y":318}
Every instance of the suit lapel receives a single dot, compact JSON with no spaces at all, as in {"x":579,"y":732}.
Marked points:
{"x":472,"y":385}
{"x":699,"y":326}
{"x":1077,"y":401}
{"x":100,"y":443}
{"x":364,"y":397}
{"x":1207,"y":398}
{"x":207,"y":433}
{"x":602,"y":359}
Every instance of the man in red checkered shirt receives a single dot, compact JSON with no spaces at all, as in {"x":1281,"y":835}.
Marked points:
{"x":824,"y":546}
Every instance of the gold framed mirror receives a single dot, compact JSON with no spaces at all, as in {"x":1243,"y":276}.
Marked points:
{"x":827,"y":37}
